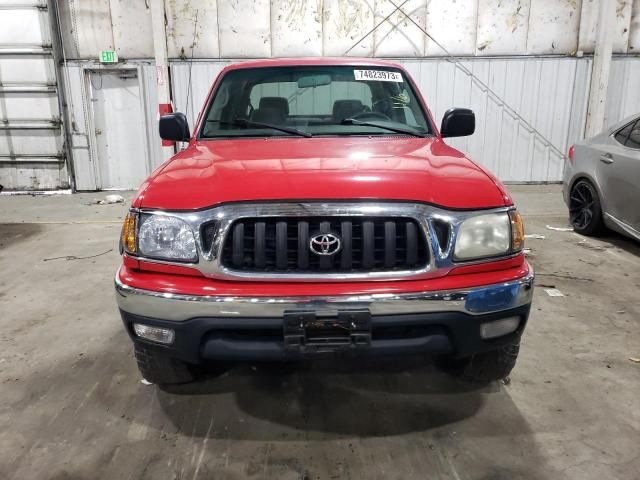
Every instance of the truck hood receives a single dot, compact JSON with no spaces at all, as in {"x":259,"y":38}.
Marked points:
{"x":427,"y":170}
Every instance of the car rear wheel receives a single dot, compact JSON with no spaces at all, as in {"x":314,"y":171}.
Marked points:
{"x":483,"y":367}
{"x":585,"y":212}
{"x":159,"y":368}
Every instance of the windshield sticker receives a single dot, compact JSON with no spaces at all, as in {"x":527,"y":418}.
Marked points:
{"x":378,"y":75}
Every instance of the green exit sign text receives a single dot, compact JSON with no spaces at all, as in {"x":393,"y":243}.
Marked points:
{"x":108,"y":56}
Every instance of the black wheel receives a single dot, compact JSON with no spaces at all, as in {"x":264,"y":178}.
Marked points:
{"x":483,"y":367}
{"x":585,"y":212}
{"x":159,"y":368}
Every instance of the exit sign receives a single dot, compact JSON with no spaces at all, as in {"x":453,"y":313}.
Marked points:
{"x":108,"y":56}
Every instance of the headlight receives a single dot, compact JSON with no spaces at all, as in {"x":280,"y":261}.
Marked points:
{"x":489,"y":235}
{"x":166,"y":238}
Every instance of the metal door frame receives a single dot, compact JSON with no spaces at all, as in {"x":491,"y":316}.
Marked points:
{"x":91,"y":131}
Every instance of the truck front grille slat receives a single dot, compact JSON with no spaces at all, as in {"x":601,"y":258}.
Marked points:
{"x":412,"y":241}
{"x":389,"y":244}
{"x":259,"y":258}
{"x":367,"y":244}
{"x":303,"y":245}
{"x":281,"y":245}
{"x":238,"y":245}
{"x":346,"y":255}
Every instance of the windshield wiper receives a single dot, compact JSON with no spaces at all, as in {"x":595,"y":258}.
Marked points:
{"x":250,"y":123}
{"x":410,"y":131}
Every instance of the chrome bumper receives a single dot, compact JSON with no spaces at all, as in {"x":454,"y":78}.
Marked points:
{"x":472,"y":301}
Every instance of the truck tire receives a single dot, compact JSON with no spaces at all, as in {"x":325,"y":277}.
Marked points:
{"x":159,"y":368}
{"x":484,"y":367}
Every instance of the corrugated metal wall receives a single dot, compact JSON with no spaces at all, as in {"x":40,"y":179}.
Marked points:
{"x":31,"y":133}
{"x":549,"y":93}
{"x":189,"y":99}
{"x":624,"y":89}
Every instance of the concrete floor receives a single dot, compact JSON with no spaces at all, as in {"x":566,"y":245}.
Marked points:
{"x":72,"y":405}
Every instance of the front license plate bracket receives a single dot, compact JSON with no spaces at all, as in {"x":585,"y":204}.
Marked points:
{"x":311,"y":331}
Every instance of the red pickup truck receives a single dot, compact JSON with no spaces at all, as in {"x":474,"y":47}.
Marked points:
{"x":317,"y":210}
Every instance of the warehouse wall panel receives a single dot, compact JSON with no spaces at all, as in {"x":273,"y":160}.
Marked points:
{"x":189,"y":99}
{"x":502,"y":27}
{"x":623,"y":94}
{"x":588,"y":22}
{"x":452,"y":24}
{"x":296,"y":28}
{"x":89,"y":25}
{"x":83,"y":165}
{"x":634,"y":28}
{"x":553,"y":26}
{"x":502,"y":142}
{"x":182,"y":23}
{"x":34,"y":175}
{"x":149,"y":89}
{"x":397,"y":36}
{"x":265,"y":28}
{"x":245,"y":28}
{"x":132,"y":32}
{"x":345,"y":23}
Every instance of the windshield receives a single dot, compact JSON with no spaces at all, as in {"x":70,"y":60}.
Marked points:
{"x":334,"y":100}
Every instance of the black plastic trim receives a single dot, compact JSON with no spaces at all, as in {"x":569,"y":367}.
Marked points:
{"x":206,"y":338}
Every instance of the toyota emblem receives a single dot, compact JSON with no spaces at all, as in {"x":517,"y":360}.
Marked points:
{"x":325,"y":244}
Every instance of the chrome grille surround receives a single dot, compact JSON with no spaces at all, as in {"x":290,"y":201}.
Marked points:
{"x":440,"y":256}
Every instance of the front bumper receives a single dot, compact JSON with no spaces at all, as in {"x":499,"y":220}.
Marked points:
{"x":251,"y":328}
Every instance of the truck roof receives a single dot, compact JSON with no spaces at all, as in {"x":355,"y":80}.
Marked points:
{"x":311,"y":61}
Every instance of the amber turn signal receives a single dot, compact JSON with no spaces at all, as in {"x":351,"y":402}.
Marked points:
{"x":517,"y":231}
{"x":129,"y":233}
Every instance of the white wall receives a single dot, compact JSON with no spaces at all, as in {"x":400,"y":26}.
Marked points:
{"x":264,"y":28}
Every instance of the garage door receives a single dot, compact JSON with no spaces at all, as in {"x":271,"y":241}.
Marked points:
{"x":31,"y":133}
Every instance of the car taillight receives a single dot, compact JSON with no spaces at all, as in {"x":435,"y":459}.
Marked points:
{"x":571,"y":153}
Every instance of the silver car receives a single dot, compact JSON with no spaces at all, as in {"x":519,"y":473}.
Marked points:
{"x":601,"y":183}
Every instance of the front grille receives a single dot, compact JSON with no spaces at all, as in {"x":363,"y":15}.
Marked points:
{"x":368,"y":244}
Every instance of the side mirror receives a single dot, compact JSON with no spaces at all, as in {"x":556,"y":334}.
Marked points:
{"x":458,"y":122}
{"x":174,"y":127}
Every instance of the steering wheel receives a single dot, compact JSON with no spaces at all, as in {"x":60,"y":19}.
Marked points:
{"x":370,"y":116}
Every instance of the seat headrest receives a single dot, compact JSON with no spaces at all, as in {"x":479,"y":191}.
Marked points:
{"x":346,"y":108}
{"x":277,"y":103}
